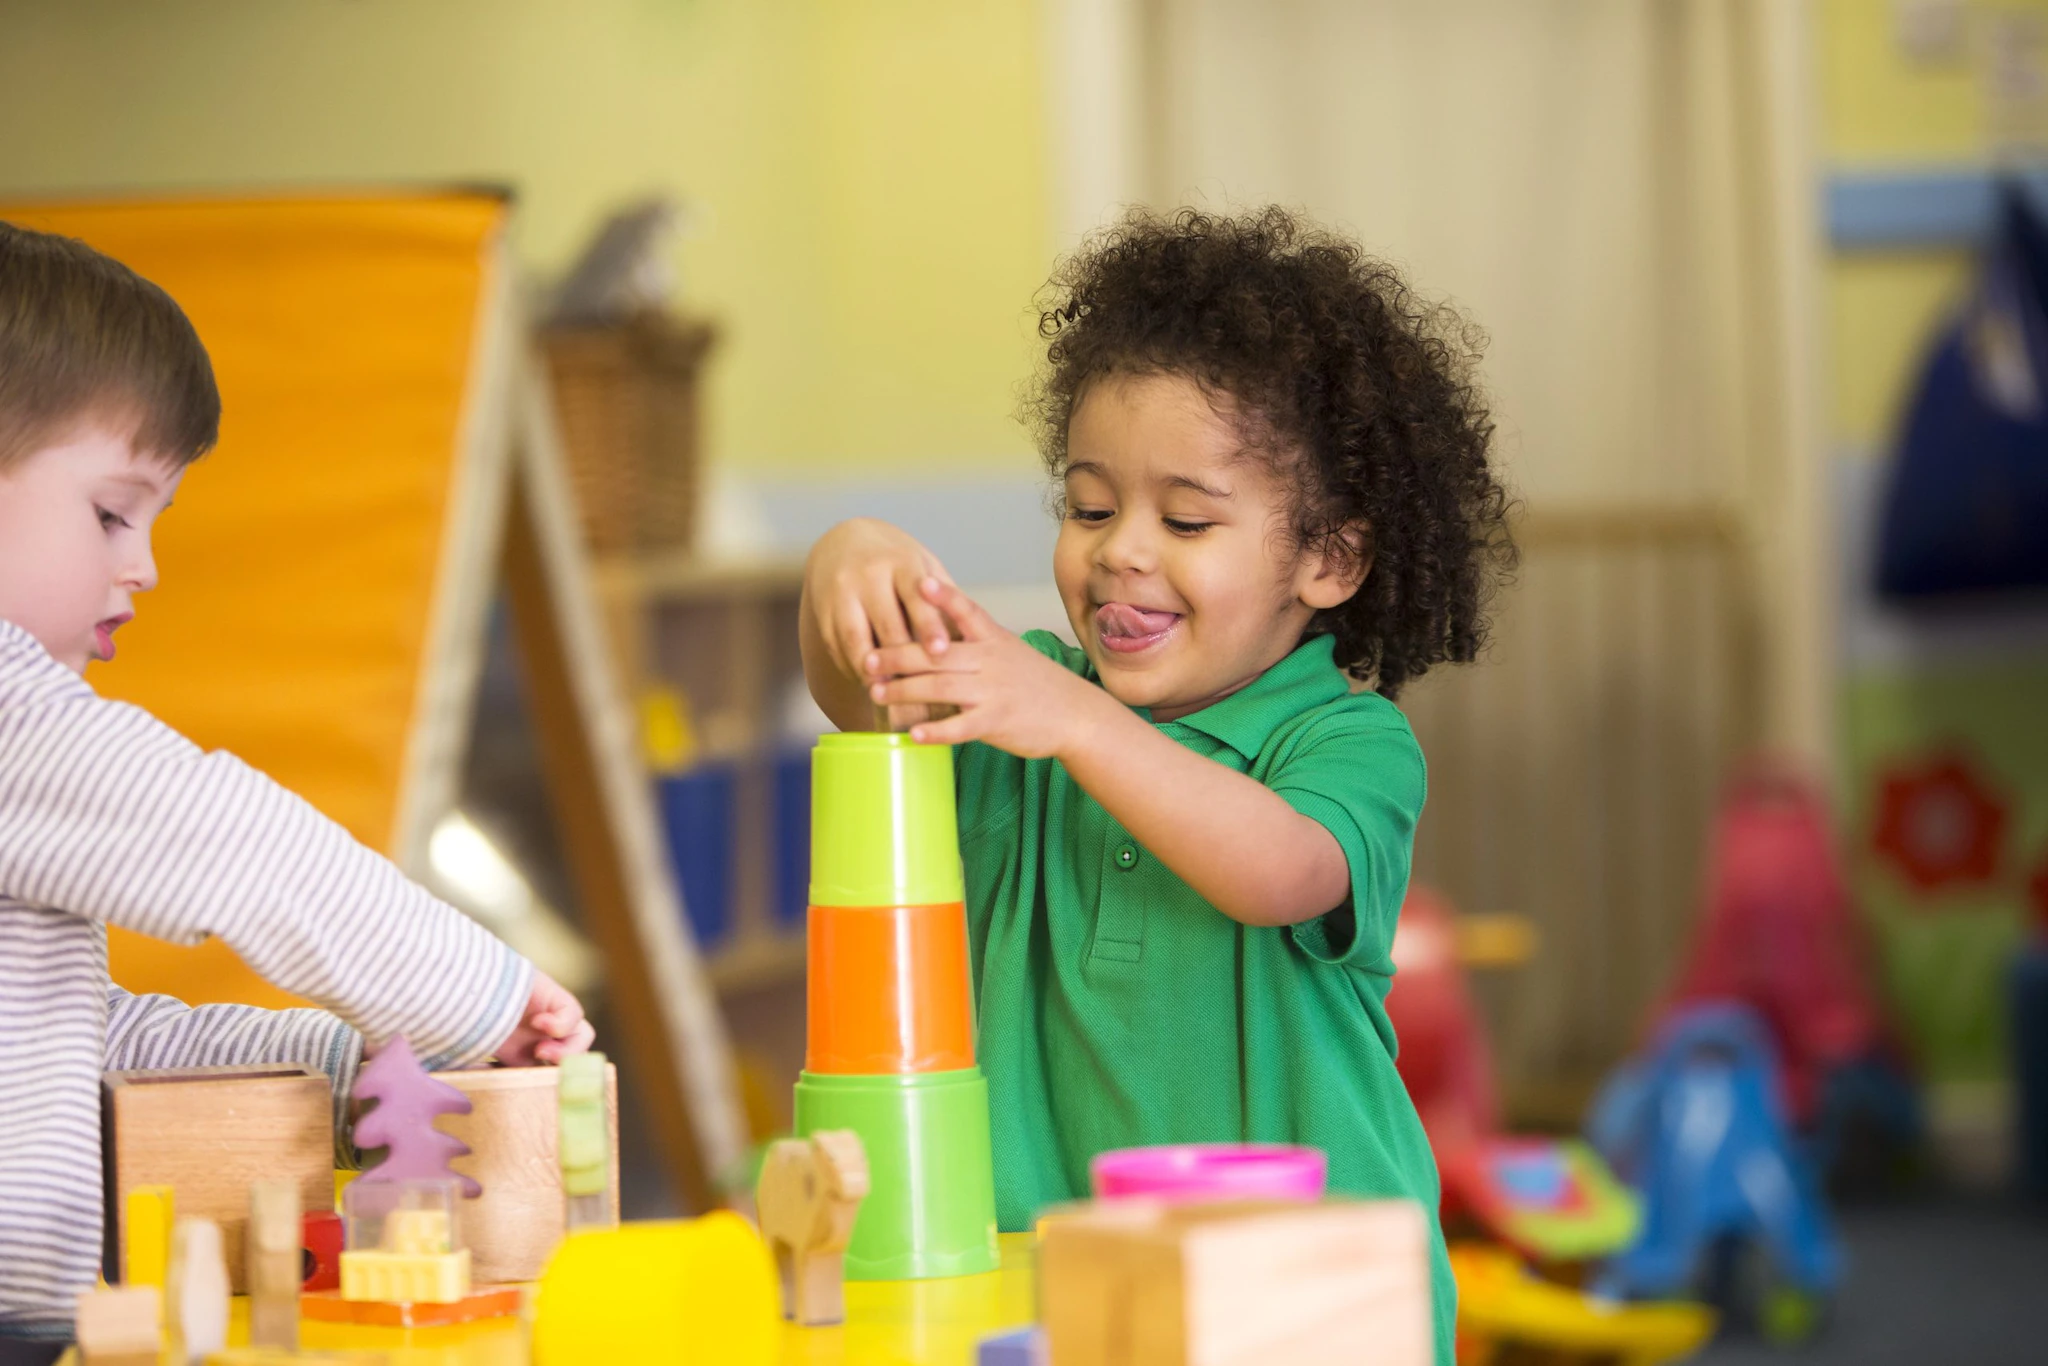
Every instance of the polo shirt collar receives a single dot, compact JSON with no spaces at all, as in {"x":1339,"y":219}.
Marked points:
{"x":1308,"y":677}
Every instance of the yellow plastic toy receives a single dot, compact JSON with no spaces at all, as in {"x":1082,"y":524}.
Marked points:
{"x":696,"y":1290}
{"x":1501,"y":1305}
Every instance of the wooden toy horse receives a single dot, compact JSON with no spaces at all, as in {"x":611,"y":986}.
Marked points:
{"x":810,"y":1191}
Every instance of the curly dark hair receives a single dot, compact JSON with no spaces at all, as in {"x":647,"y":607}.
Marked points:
{"x":1361,"y":393}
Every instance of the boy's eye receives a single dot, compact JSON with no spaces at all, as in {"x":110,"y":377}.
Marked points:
{"x":1181,"y":528}
{"x":110,"y":520}
{"x":1089,"y":514}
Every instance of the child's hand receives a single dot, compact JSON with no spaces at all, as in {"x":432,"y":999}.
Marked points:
{"x":861,"y":585}
{"x":549,"y":1029}
{"x":1007,"y":693}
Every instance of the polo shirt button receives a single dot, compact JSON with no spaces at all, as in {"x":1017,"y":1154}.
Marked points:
{"x":1127,"y":856}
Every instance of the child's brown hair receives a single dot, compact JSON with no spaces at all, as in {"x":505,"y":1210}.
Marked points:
{"x":83,"y":338}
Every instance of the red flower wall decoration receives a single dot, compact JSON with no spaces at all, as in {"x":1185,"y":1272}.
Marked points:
{"x":1939,"y":823}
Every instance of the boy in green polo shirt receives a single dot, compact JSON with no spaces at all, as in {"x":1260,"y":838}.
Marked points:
{"x":1187,"y":841}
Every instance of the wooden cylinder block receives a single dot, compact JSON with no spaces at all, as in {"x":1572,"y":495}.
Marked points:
{"x":513,"y":1132}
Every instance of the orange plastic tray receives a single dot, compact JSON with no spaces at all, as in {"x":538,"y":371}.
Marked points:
{"x":489,"y":1302}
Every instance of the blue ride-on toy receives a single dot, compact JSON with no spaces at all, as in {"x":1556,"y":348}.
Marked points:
{"x":1731,"y":1210}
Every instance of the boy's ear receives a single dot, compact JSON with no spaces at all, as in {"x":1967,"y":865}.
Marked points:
{"x":1330,"y":577}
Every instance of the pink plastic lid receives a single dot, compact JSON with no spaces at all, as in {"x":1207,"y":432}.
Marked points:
{"x":1212,"y":1171}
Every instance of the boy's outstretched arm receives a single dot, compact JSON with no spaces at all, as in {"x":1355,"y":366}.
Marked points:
{"x":860,"y":591}
{"x":1231,"y":838}
{"x":108,"y":814}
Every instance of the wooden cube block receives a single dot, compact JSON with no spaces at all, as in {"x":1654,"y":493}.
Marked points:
{"x":512,"y":1131}
{"x":120,"y":1326}
{"x":210,"y":1133}
{"x":1138,"y":1283}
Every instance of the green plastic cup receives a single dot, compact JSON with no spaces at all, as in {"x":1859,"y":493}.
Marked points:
{"x":883,"y":827}
{"x":931,"y":1204}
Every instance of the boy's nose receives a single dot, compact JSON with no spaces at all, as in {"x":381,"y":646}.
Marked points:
{"x":1126,"y":548}
{"x":139,"y":575}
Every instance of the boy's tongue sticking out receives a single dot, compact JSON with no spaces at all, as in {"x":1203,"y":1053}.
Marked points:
{"x":1124,"y":627}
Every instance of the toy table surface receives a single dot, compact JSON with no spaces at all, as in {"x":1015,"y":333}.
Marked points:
{"x":888,"y":1323}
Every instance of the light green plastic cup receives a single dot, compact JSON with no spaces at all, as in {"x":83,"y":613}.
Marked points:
{"x":883,"y":827}
{"x":931,"y":1205}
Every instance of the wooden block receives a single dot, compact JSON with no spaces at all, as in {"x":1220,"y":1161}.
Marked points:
{"x":120,"y":1326}
{"x":513,"y":1131}
{"x":209,"y":1134}
{"x":1137,"y":1283}
{"x":276,"y":1265}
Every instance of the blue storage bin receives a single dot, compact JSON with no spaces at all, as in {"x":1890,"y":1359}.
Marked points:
{"x":697,"y":807}
{"x":791,"y":846}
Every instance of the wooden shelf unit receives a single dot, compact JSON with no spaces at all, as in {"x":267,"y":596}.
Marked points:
{"x":723,"y":634}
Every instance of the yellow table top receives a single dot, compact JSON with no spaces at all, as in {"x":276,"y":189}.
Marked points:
{"x":888,"y":1323}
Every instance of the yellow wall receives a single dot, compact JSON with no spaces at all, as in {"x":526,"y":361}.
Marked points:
{"x":871,"y":173}
{"x":1880,"y":110}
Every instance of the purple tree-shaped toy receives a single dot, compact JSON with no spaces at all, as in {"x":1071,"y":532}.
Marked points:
{"x":402,"y":1121}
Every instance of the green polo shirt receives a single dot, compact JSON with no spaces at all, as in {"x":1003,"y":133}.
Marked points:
{"x":1119,"y":1008}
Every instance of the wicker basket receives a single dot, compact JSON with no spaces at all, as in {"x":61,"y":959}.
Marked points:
{"x":627,"y":401}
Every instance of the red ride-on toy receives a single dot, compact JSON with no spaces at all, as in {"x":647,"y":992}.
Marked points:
{"x":1553,"y":1200}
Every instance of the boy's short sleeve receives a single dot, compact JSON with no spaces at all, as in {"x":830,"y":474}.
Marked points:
{"x":1360,"y":776}
{"x":988,"y":783}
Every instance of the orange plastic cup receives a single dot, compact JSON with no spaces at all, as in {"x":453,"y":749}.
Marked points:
{"x":889,"y":990}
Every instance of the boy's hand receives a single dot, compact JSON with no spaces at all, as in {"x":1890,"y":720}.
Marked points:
{"x":1007,"y":693}
{"x":862,"y":581}
{"x":549,"y":1029}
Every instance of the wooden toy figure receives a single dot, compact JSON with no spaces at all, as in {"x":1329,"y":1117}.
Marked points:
{"x":198,"y":1292}
{"x":276,"y":1265}
{"x":810,"y":1191}
{"x":121,"y":1326}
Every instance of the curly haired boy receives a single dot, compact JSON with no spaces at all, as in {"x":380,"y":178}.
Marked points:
{"x":1187,"y":841}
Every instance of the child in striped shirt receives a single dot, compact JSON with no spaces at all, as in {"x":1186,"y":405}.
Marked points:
{"x":109,"y":817}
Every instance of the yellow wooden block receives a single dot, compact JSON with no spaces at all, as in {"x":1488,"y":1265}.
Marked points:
{"x":417,"y":1232}
{"x":151,"y":1212}
{"x":405,"y":1278}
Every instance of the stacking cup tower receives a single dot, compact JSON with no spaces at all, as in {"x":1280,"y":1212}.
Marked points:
{"x":891,"y":1030}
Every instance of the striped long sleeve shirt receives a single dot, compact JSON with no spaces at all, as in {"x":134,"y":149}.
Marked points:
{"x":110,"y":817}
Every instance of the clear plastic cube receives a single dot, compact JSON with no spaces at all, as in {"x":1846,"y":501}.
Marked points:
{"x":417,"y":1218}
